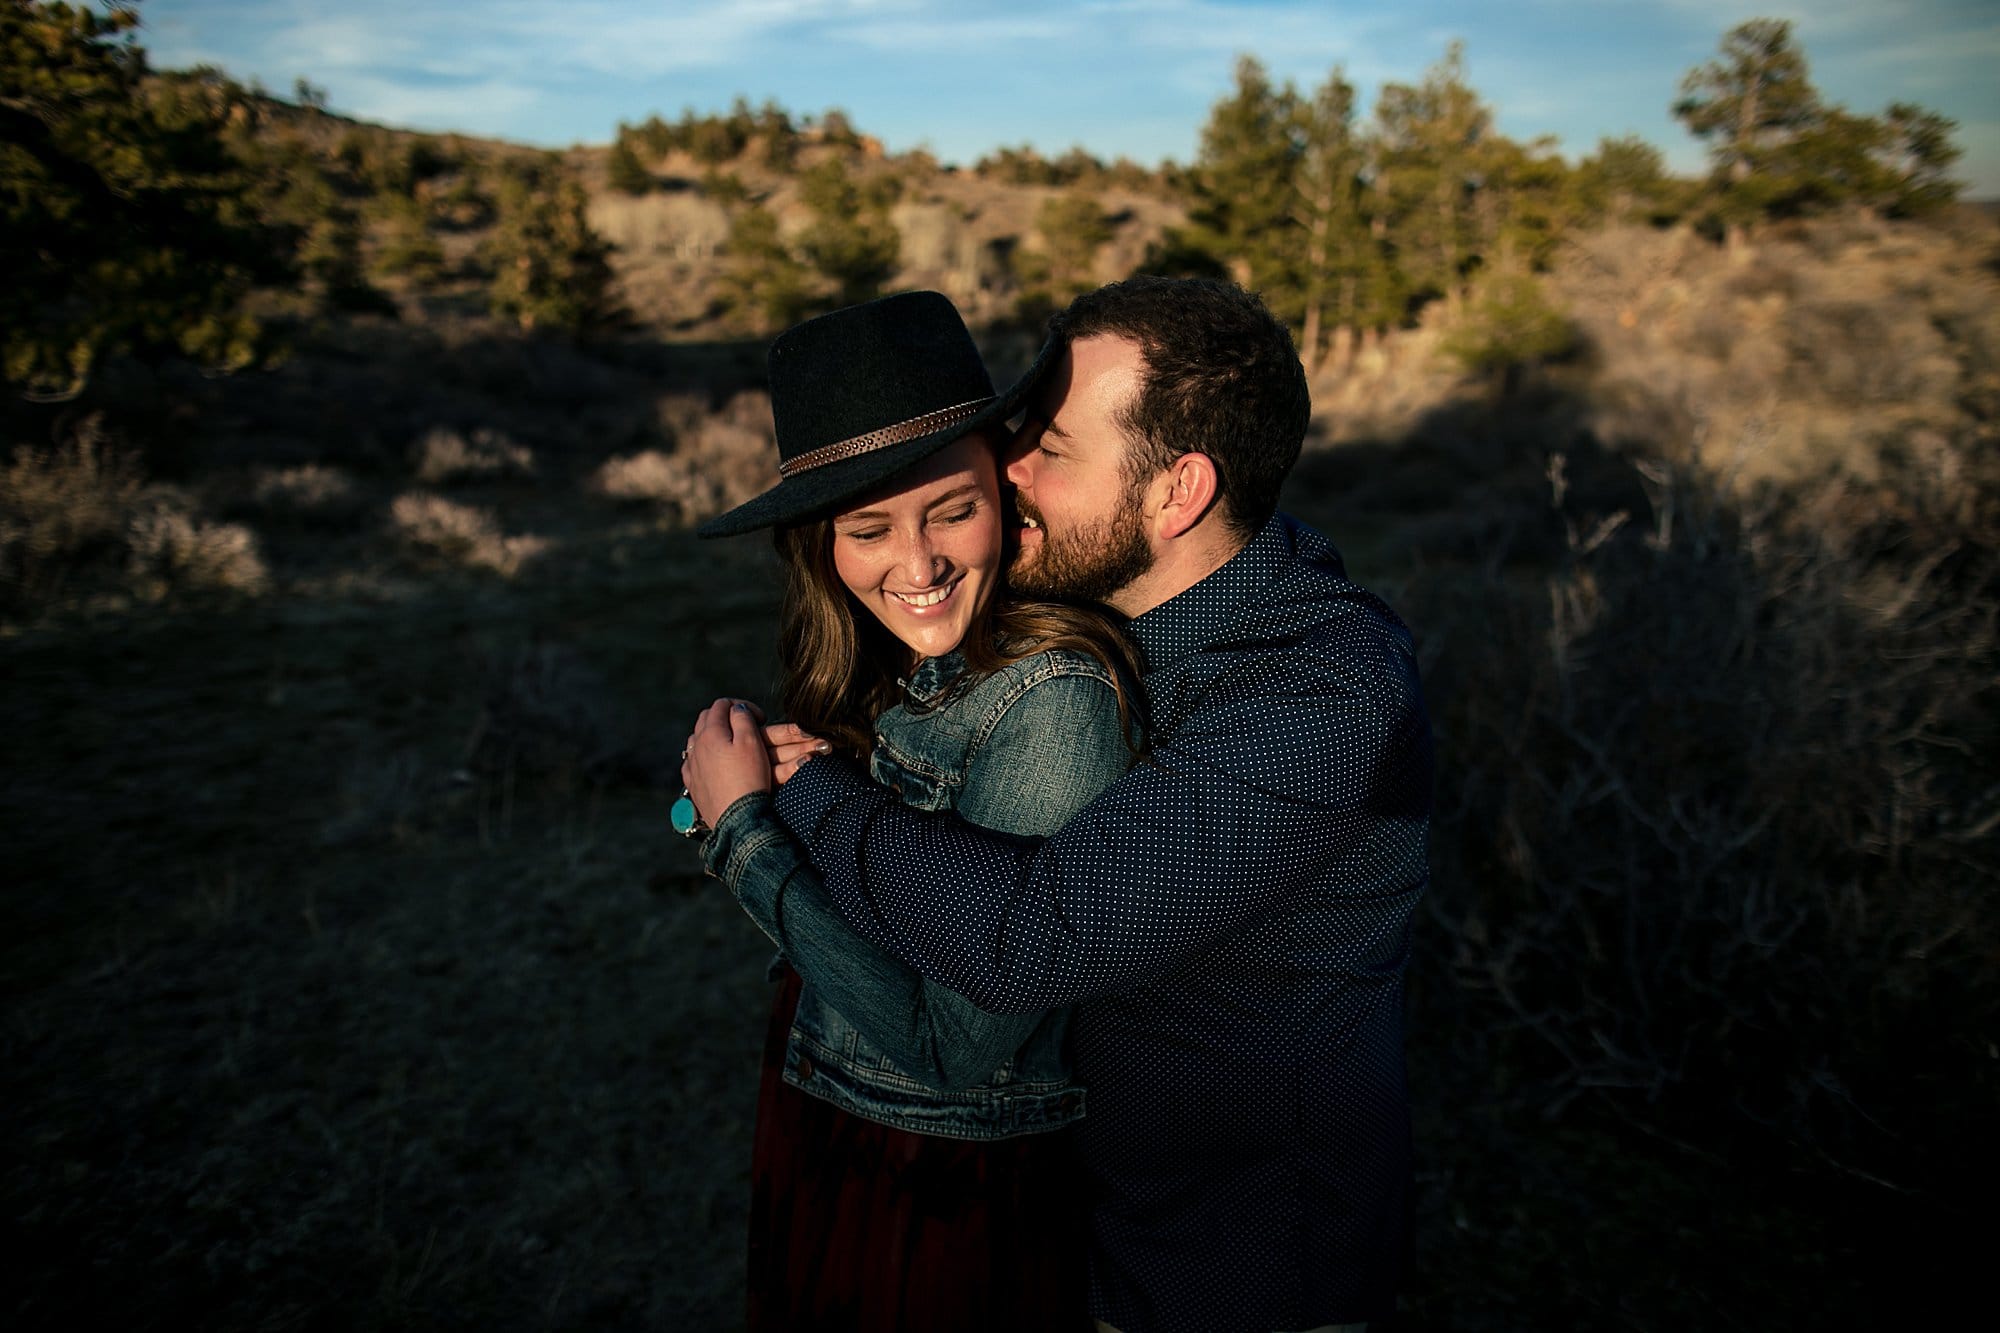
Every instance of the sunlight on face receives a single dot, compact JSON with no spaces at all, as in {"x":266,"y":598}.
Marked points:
{"x":924,"y":558}
{"x":1081,"y":532}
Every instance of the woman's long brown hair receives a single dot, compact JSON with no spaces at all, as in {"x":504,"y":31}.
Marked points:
{"x":842,"y":666}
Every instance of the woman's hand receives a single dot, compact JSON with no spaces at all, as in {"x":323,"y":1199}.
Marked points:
{"x":790,"y":748}
{"x":725,"y":759}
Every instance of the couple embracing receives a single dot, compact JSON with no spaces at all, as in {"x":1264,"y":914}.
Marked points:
{"x":1090,"y":839}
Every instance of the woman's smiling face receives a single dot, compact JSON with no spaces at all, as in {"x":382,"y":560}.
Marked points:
{"x":925,"y":558}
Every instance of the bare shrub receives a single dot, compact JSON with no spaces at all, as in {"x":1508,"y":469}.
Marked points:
{"x":63,"y":510}
{"x":83,"y":516}
{"x":171,"y":550}
{"x":648,"y":477}
{"x":1771,"y":275}
{"x":1856,"y":352}
{"x":311,"y":494}
{"x":443,"y":455}
{"x":1713,"y":331}
{"x":721,"y":459}
{"x":459,"y":534}
{"x":307,"y":487}
{"x":1714,"y":797}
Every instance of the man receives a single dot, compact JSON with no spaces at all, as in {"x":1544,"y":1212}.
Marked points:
{"x":1231,"y":917}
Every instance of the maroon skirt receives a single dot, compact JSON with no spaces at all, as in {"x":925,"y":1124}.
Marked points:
{"x":856,"y":1226}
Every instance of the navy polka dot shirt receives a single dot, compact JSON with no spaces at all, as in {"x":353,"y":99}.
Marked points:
{"x":1231,"y":919}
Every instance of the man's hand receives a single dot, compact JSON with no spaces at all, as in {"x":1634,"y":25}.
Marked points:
{"x":790,"y":748}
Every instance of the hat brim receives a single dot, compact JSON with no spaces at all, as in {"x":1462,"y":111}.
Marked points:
{"x":825,"y":490}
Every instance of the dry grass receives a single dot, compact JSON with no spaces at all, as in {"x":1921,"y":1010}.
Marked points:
{"x":355,"y":981}
{"x":1715,"y":839}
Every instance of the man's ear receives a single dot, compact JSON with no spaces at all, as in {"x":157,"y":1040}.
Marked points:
{"x":1183,"y":495}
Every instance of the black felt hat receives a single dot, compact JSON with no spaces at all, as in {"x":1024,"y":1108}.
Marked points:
{"x":861,"y":394}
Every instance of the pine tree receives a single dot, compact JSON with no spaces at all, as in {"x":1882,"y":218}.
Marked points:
{"x":1072,"y":228}
{"x":1828,"y":163}
{"x":408,"y":247}
{"x":622,"y":169}
{"x":1509,"y":327}
{"x":1343,"y":272}
{"x":762,"y":276}
{"x":1280,"y":201}
{"x":304,"y":204}
{"x":1749,"y":105}
{"x":851,"y":241}
{"x":777,"y":138}
{"x":1626,"y":180}
{"x":1244,"y":207}
{"x":125,"y":224}
{"x":1431,"y":165}
{"x":1916,"y":152}
{"x":551,"y":272}
{"x":1525,"y":201}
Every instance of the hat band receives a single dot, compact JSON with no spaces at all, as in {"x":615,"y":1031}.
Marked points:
{"x":900,"y":433}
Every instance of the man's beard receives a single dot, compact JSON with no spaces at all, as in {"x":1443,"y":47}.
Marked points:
{"x":1088,"y":564}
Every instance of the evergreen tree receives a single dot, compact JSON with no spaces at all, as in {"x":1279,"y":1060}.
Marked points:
{"x":1244,"y":205}
{"x":300,"y":197}
{"x":551,"y":272}
{"x":622,"y":169}
{"x":837,"y":131}
{"x":1748,"y":106}
{"x":777,"y":138}
{"x":851,"y":241}
{"x":1509,"y":327}
{"x":1779,"y":151}
{"x":762,"y":276}
{"x":1526,"y":199}
{"x":1343,"y":273}
{"x":1280,"y":200}
{"x":1432,"y":163}
{"x":1916,"y":151}
{"x":408,"y":248}
{"x":125,"y":224}
{"x":1830,"y":162}
{"x":1626,"y":180}
{"x":1072,"y":228}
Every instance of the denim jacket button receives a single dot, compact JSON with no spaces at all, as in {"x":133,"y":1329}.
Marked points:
{"x":1068,"y":1103}
{"x":805,"y":1069}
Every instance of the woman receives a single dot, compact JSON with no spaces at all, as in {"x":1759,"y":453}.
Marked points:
{"x":909,"y":1169}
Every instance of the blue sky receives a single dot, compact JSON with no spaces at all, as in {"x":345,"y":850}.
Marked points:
{"x":1131,"y":77}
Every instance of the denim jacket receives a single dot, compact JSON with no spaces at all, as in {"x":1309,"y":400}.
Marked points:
{"x":1020,"y":752}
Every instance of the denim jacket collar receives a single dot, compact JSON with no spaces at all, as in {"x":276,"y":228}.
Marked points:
{"x":932,"y":676}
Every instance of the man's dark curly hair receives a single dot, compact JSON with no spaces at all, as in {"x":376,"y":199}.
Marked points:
{"x":1221,"y":378}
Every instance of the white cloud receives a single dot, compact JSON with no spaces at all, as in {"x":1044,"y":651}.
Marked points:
{"x":473,"y":108}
